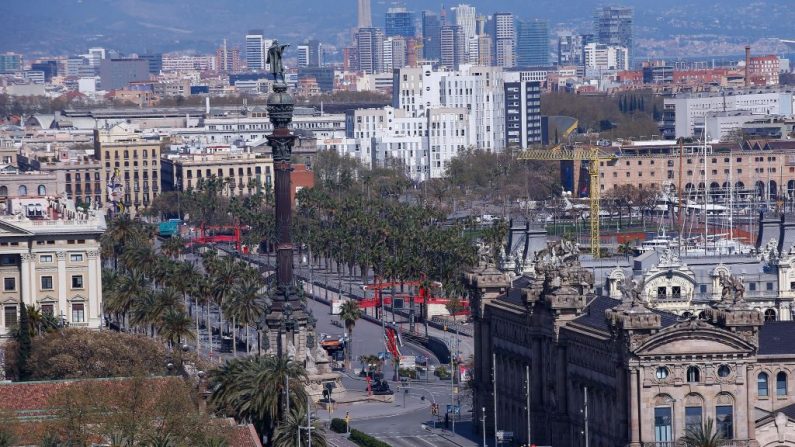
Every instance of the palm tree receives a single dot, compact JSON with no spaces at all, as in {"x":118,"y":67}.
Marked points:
{"x":143,"y":311}
{"x":247,"y":304}
{"x":121,"y":232}
{"x":289,"y":430}
{"x":703,"y":436}
{"x":173,"y":247}
{"x":127,"y":290}
{"x":254,"y":389}
{"x":349,"y":314}
{"x":174,"y":326}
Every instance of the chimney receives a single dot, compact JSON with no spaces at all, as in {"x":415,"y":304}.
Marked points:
{"x":747,"y":65}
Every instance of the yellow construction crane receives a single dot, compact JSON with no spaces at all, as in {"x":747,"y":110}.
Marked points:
{"x":578,"y":153}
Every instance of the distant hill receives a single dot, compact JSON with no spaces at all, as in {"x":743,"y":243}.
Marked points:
{"x":69,"y":26}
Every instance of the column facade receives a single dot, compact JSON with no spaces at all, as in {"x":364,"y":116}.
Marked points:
{"x":62,"y":304}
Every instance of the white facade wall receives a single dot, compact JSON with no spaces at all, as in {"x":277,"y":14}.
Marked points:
{"x":691,"y":110}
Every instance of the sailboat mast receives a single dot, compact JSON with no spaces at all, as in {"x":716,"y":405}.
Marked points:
{"x":731,"y":195}
{"x":706,"y":193}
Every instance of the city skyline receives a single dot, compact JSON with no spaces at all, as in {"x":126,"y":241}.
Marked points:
{"x":190,"y":28}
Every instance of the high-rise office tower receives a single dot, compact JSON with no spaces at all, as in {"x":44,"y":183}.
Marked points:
{"x":464,"y":16}
{"x":303,"y":55}
{"x":315,"y":53}
{"x":364,"y":15}
{"x":431,"y":35}
{"x":10,"y":63}
{"x":96,"y":56}
{"x":484,"y":45}
{"x":452,"y":44}
{"x":522,"y":111}
{"x":570,"y":48}
{"x":155,"y":62}
{"x":503,"y":33}
{"x":395,"y":53}
{"x":612,"y":26}
{"x":370,"y":48}
{"x":255,"y":50}
{"x":399,"y":21}
{"x":532,"y":43}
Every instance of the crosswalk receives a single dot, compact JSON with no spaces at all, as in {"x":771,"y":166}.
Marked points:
{"x":398,"y":440}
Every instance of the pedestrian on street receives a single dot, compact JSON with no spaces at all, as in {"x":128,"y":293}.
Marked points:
{"x":447,"y":421}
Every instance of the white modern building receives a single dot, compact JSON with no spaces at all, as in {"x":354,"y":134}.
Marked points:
{"x":256,"y":50}
{"x":690,"y":109}
{"x":601,"y":57}
{"x":464,"y":16}
{"x":477,"y":89}
{"x":423,"y":145}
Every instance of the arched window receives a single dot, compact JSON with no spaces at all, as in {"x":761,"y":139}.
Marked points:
{"x":3,"y":190}
{"x":663,"y":419}
{"x":694,"y":411}
{"x":702,"y":315}
{"x":42,"y":190}
{"x":23,"y":190}
{"x":770,"y":315}
{"x":760,"y":188}
{"x":693,"y":374}
{"x":781,"y":384}
{"x":761,"y":385}
{"x":773,"y":189}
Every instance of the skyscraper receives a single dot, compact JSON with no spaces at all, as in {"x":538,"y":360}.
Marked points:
{"x":370,"y":49}
{"x":532,"y":43}
{"x":480,"y":53}
{"x":612,"y":25}
{"x":365,"y":16}
{"x":503,"y":33}
{"x":570,"y":48}
{"x":303,"y":55}
{"x":395,"y":52}
{"x":255,"y":52}
{"x":10,"y":62}
{"x":399,"y":22}
{"x":464,"y":16}
{"x":452,"y":46}
{"x":431,"y":35}
{"x":315,"y":53}
{"x":522,"y":111}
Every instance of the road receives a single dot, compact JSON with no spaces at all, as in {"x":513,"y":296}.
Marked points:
{"x":400,"y":424}
{"x":414,"y":429}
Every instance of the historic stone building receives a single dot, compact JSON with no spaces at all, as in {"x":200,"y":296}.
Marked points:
{"x":649,"y":373}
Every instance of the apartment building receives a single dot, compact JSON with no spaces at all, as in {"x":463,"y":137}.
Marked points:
{"x":77,"y":174}
{"x":137,"y":161}
{"x":477,"y":89}
{"x":246,"y":172}
{"x":50,"y":259}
